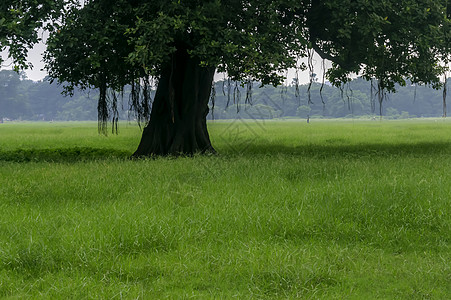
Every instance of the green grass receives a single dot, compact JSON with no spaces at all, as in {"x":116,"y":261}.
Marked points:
{"x":330,"y":210}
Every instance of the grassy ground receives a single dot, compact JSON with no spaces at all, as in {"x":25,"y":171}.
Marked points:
{"x":332,"y":210}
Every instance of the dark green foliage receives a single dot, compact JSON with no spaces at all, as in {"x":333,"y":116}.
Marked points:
{"x":386,"y":40}
{"x":127,"y":40}
{"x":19,"y":24}
{"x":251,"y":40}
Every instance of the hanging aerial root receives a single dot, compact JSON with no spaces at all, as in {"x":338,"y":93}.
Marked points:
{"x":311,"y":72}
{"x":213,"y":100}
{"x":140,"y":100}
{"x":102,"y":110}
{"x":444,"y":97}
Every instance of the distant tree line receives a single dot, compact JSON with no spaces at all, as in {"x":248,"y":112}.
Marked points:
{"x":24,"y":99}
{"x":354,"y":100}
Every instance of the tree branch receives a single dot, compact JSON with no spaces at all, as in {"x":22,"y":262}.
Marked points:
{"x":347,"y":66}
{"x":324,"y":54}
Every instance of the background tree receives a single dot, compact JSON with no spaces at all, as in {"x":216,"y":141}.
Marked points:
{"x":180,"y":45}
{"x":13,"y":101}
{"x":19,"y":24}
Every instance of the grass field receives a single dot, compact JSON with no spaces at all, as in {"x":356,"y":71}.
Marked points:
{"x":328,"y":210}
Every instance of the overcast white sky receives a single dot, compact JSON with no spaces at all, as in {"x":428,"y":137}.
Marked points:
{"x":35,"y":57}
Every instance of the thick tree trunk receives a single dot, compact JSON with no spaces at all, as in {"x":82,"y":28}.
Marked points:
{"x":178,"y":121}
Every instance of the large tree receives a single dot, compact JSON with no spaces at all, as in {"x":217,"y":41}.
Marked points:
{"x":179,"y":45}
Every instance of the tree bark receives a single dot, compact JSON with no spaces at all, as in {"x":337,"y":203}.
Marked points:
{"x":178,"y":120}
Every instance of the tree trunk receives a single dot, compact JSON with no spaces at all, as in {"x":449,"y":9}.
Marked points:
{"x":178,"y":120}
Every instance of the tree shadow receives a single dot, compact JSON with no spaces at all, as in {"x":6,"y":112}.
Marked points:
{"x":80,"y":154}
{"x":65,"y":155}
{"x":347,"y":150}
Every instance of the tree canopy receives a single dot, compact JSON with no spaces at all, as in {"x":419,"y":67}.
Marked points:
{"x":390,"y":41}
{"x":253,"y":40}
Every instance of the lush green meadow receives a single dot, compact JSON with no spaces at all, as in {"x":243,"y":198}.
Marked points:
{"x":330,"y":209}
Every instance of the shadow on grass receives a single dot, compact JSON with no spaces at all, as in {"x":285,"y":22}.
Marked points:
{"x":77,"y":154}
{"x":346,"y":150}
{"x":67,"y":155}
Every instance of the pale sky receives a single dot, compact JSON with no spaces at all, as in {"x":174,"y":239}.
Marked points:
{"x":35,"y":57}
